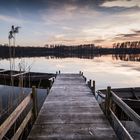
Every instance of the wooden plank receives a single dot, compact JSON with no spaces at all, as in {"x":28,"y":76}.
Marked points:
{"x":19,"y":74}
{"x":130,"y":112}
{"x":71,"y":112}
{"x":68,"y":117}
{"x":72,"y":132}
{"x":12,"y":118}
{"x":22,"y":126}
{"x":118,"y":125}
{"x":72,"y":109}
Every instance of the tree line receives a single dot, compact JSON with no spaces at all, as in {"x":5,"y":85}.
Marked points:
{"x":80,"y":51}
{"x":127,"y":44}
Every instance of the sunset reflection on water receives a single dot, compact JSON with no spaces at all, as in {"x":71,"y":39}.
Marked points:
{"x":104,"y":70}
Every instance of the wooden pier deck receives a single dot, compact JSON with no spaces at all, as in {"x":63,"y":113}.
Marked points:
{"x":70,"y":112}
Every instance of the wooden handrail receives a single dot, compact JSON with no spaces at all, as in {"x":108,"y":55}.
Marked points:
{"x":13,"y":117}
{"x":126,"y":134}
{"x":22,"y":126}
{"x":6,"y":125}
{"x":112,"y":98}
{"x":130,"y":112}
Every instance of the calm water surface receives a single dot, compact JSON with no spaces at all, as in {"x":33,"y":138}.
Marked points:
{"x":104,"y":70}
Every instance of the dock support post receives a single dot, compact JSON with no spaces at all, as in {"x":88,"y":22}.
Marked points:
{"x":89,"y":83}
{"x":34,"y":97}
{"x":81,"y":73}
{"x":53,"y":80}
{"x":93,"y":88}
{"x":85,"y":79}
{"x":108,"y":102}
{"x":59,"y":72}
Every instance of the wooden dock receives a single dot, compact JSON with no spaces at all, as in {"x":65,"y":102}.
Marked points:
{"x":70,"y":112}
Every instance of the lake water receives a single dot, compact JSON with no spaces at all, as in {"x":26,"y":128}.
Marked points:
{"x":14,"y":96}
{"x":105,"y":70}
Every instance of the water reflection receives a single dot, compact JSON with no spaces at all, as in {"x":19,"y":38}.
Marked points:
{"x":126,"y":57}
{"x":123,"y":57}
{"x":107,"y":70}
{"x":11,"y":96}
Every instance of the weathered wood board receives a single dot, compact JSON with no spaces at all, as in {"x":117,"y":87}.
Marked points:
{"x":70,"y":112}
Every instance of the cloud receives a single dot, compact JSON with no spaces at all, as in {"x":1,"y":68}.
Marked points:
{"x":136,"y":31}
{"x":68,"y":14}
{"x":9,"y":19}
{"x":121,"y":3}
{"x":128,"y":35}
{"x":58,"y":39}
{"x":74,"y":21}
{"x":93,"y":3}
{"x":62,"y":39}
{"x":134,"y":35}
{"x":99,"y":40}
{"x":84,"y":23}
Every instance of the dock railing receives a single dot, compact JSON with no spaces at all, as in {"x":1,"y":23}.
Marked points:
{"x":90,"y":83}
{"x":111,"y":98}
{"x":9,"y":122}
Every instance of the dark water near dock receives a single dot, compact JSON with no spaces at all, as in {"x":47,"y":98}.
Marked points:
{"x":12,"y":96}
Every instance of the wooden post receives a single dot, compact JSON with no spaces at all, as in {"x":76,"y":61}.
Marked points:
{"x":59,"y":72}
{"x":80,"y":72}
{"x":56,"y":72}
{"x":93,"y":88}
{"x":34,"y":97}
{"x":51,"y":83}
{"x":108,"y":102}
{"x":89,"y":83}
{"x":85,"y":78}
{"x":53,"y":80}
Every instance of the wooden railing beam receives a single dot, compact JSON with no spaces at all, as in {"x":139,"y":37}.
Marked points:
{"x":13,"y":117}
{"x":130,"y":112}
{"x":126,"y":134}
{"x":22,"y":126}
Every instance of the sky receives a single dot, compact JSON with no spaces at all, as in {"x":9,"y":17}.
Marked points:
{"x":70,"y":22}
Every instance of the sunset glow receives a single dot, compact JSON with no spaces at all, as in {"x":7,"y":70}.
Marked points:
{"x":101,"y":22}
